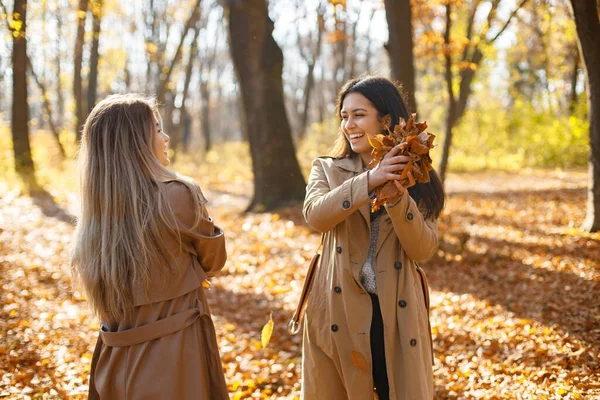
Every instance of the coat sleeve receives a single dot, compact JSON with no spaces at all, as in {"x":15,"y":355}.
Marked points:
{"x":204,"y":240}
{"x":417,"y":235}
{"x":324,"y":207}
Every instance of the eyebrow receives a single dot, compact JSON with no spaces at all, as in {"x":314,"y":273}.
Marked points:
{"x":356,"y":109}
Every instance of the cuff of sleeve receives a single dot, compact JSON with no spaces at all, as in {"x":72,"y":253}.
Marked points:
{"x":400,"y":207}
{"x":360,"y":189}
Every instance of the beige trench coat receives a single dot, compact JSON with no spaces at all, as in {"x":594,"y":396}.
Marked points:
{"x":336,"y":334}
{"x":169,"y":350}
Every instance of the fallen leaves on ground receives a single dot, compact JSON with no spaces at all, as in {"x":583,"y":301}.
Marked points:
{"x":515,"y":295}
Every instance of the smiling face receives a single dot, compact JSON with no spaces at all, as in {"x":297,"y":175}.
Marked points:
{"x":160,"y":141}
{"x":359,"y":118}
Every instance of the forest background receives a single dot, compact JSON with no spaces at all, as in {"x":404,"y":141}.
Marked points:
{"x":247,"y":92}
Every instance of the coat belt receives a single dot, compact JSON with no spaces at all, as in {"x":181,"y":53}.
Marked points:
{"x":151,"y":331}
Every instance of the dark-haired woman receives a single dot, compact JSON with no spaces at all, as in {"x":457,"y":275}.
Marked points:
{"x":366,"y":330}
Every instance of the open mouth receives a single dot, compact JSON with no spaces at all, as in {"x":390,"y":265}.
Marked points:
{"x":356,"y":136}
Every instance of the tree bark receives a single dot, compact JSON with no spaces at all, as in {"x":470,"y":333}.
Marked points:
{"x":97,"y":11}
{"x":400,"y":46}
{"x":588,"y":34}
{"x":20,"y":108}
{"x":80,"y":108}
{"x":258,"y":63}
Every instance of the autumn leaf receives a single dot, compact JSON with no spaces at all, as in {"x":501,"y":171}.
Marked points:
{"x":415,"y":143}
{"x":358,"y":360}
{"x":267,"y":331}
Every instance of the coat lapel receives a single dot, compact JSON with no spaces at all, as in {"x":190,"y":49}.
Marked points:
{"x":353,"y":164}
{"x":385,"y":227}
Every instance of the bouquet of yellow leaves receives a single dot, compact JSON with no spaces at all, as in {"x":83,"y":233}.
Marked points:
{"x":415,"y":143}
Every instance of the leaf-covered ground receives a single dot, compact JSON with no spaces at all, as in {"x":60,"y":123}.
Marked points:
{"x":515,"y":293}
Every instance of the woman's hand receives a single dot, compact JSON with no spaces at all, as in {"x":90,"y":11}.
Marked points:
{"x":388,"y":169}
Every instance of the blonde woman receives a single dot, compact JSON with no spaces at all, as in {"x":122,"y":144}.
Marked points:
{"x":144,"y":244}
{"x":366,"y":327}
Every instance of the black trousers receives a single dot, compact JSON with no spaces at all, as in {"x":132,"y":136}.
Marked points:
{"x":378,"y":352}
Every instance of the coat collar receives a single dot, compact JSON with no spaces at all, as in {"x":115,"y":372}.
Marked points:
{"x":352,"y":163}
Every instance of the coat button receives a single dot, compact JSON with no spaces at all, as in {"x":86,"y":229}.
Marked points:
{"x":402,"y":303}
{"x":337,"y":289}
{"x":346,"y":204}
{"x":398,"y":265}
{"x":413,"y":342}
{"x":338,"y":249}
{"x":335,"y":328}
{"x":409,"y":216}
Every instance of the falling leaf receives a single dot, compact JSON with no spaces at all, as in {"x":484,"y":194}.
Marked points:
{"x":267,"y":331}
{"x":358,"y":360}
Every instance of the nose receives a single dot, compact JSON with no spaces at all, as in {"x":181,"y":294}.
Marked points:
{"x":350,"y":123}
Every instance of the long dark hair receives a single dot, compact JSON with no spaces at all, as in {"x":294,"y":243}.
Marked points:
{"x":387,"y":98}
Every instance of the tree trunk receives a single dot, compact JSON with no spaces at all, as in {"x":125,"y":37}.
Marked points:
{"x":205,"y":115}
{"x":60,"y":96}
{"x":400,"y":46}
{"x":48,"y":108}
{"x":176,"y":137}
{"x":258,"y":63}
{"x":20,"y":108}
{"x":97,"y":11}
{"x":451,"y":113}
{"x":588,"y":34}
{"x":166,"y":77}
{"x":80,"y":108}
{"x":574,"y":79}
{"x":310,"y":78}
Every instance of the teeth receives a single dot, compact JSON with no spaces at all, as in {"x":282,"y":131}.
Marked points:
{"x":356,"y":136}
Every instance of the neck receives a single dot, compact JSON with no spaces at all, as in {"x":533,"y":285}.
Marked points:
{"x":366,"y":159}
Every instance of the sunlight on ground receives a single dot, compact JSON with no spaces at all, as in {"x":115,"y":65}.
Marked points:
{"x":515,"y":286}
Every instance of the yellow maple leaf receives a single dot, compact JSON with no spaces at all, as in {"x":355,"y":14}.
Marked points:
{"x":267,"y":331}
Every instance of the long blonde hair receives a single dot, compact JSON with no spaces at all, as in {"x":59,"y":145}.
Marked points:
{"x":124,"y":211}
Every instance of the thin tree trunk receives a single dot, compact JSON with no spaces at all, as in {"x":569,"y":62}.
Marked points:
{"x":60,"y":96}
{"x":574,"y":80}
{"x":165,"y":78}
{"x":588,"y":34}
{"x":258,"y":63}
{"x":97,"y":11}
{"x":193,"y":53}
{"x":400,"y":46}
{"x":310,"y":78}
{"x":472,"y":56}
{"x":20,"y":107}
{"x":451,"y":113}
{"x":368,"y":49}
{"x":48,"y":108}
{"x":80,"y":108}
{"x":205,"y":115}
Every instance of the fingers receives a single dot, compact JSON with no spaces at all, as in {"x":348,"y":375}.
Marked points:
{"x":398,"y":159}
{"x":393,"y":151}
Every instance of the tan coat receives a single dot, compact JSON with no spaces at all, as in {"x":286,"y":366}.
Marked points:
{"x":169,"y":350}
{"x":336,"y":337}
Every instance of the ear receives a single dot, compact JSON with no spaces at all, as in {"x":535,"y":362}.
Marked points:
{"x":386,"y":121}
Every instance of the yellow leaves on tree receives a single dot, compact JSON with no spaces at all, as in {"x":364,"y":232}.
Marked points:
{"x":415,"y":143}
